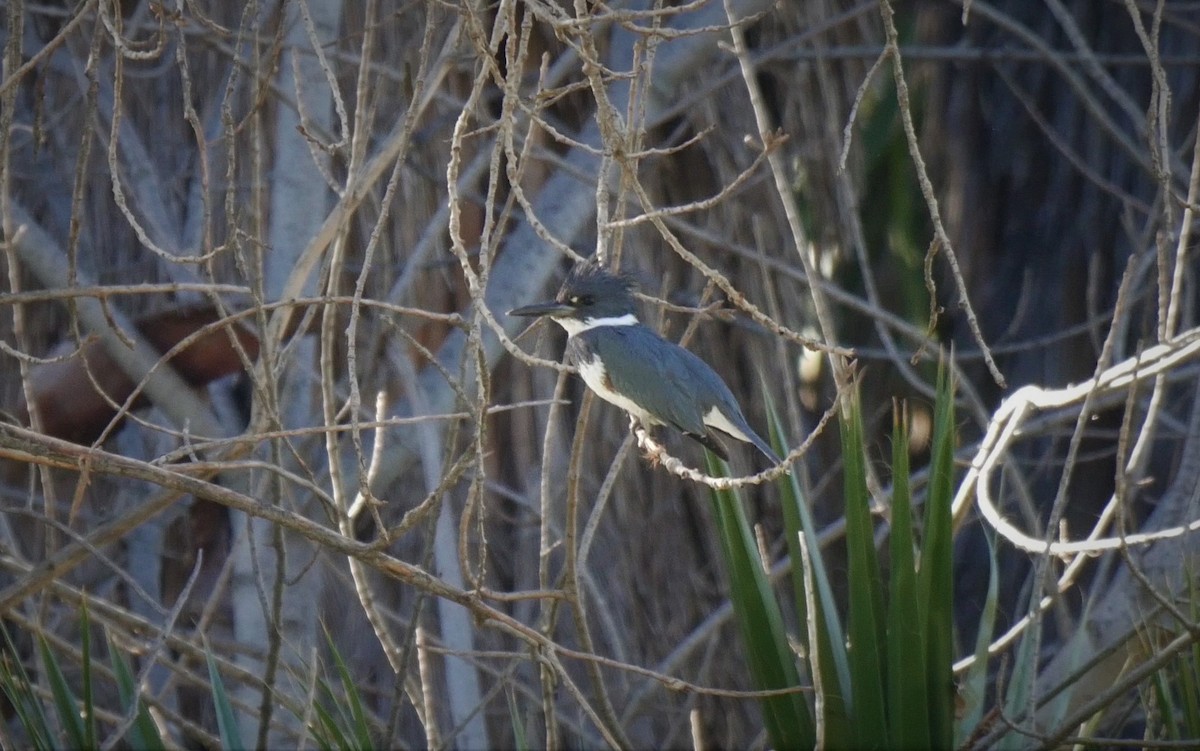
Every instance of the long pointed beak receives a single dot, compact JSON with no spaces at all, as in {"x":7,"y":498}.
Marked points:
{"x":550,"y":308}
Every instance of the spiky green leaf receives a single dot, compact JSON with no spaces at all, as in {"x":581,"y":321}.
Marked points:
{"x":866,"y":616}
{"x":906,"y":639}
{"x":227,"y":724}
{"x":771,"y":661}
{"x":937,"y":567}
{"x":832,"y":669}
{"x":70,"y":713}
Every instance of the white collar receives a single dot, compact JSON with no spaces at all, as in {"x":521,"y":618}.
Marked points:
{"x":575,"y":326}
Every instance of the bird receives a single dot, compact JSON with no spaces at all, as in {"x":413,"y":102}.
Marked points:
{"x":628,"y":364}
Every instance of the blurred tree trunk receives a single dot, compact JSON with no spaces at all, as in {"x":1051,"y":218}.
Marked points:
{"x":1048,"y":162}
{"x":275,"y":581}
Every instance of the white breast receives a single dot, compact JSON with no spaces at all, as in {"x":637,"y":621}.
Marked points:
{"x":594,"y":376}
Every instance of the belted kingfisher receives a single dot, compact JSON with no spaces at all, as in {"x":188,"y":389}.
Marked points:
{"x":629,"y":365}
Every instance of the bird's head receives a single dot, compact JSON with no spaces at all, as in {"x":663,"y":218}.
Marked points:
{"x":591,"y":296}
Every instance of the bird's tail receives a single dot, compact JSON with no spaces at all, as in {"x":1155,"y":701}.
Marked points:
{"x":762,"y":446}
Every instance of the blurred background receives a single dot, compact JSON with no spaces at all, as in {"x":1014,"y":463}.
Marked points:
{"x":260,"y":386}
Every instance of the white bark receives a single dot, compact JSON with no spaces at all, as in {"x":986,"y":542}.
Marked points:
{"x":299,"y":200}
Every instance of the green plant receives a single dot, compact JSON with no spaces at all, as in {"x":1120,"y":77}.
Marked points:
{"x":227,"y":724}
{"x":73,"y":721}
{"x":341,"y":718}
{"x":885,"y":681}
{"x":61,"y":715}
{"x":772,"y":663}
{"x":1172,"y":696}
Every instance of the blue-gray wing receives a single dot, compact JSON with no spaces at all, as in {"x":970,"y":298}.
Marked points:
{"x":655,"y":374}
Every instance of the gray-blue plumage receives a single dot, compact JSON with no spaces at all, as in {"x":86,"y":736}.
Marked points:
{"x":629,"y":365}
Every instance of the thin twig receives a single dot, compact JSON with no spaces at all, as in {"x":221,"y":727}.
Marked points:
{"x":927,"y":191}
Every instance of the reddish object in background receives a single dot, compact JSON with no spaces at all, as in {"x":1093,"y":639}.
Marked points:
{"x":68,"y":393}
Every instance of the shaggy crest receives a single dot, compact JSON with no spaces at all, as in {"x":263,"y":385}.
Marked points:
{"x":592,"y":279}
